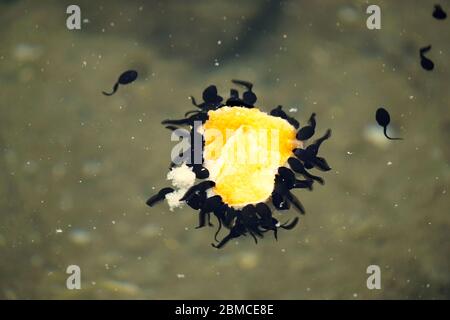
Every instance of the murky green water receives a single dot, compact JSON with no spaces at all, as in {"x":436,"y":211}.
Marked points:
{"x":76,"y":167}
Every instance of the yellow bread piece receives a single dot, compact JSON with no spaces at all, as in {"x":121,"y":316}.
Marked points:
{"x":243,"y":150}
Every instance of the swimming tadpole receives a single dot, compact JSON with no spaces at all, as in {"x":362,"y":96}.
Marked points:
{"x":426,"y":63}
{"x":383,"y":119}
{"x":439,"y":13}
{"x":124,"y":79}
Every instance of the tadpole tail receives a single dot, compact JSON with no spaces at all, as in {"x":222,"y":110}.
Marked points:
{"x":246,"y":84}
{"x":308,"y":175}
{"x":326,"y":136}
{"x":425,"y":50}
{"x":223,"y":242}
{"x":204,"y":218}
{"x":297,"y":204}
{"x":116,"y":86}
{"x":254,"y":237}
{"x":159,"y":196}
{"x":201,"y":187}
{"x":290,"y":225}
{"x":193,"y":101}
{"x":176,"y":122}
{"x":218,"y":229}
{"x":172,"y":128}
{"x":386,"y":135}
{"x":190,"y":112}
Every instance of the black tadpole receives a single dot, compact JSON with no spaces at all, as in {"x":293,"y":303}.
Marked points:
{"x":244,"y":83}
{"x":383,"y":119}
{"x":426,"y":63}
{"x":159,"y":196}
{"x":439,"y":13}
{"x":124,"y":79}
{"x":248,"y":96}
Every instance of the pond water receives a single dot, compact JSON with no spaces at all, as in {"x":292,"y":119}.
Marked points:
{"x":76,"y":166}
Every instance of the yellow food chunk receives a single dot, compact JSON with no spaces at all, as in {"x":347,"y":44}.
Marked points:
{"x":243,"y":150}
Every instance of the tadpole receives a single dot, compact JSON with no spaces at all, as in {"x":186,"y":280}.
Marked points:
{"x":383,"y":119}
{"x":426,"y":63}
{"x":439,"y":13}
{"x":124,"y":79}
